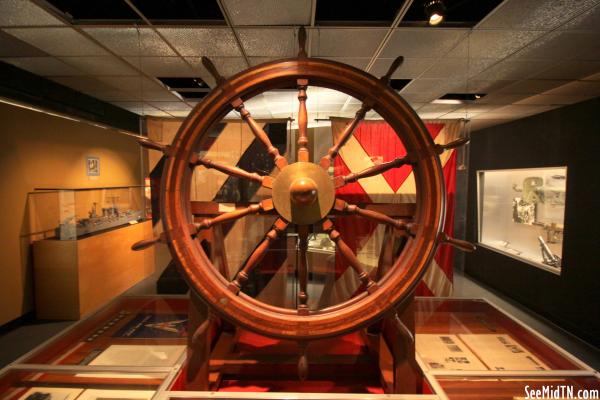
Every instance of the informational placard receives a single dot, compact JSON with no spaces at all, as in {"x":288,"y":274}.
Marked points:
{"x":501,"y":352}
{"x":140,"y":355}
{"x":447,"y":353}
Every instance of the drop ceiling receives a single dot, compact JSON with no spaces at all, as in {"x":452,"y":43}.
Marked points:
{"x":527,"y":56}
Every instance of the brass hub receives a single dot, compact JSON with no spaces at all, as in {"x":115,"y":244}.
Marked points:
{"x":303,"y":193}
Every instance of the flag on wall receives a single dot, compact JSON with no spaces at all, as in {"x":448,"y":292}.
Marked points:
{"x":375,"y":142}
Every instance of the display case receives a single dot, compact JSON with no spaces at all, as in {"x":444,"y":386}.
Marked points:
{"x":35,"y":383}
{"x":69,"y":214}
{"x":521,"y":214}
{"x":135,"y":348}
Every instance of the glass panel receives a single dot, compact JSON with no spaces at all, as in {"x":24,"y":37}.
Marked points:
{"x":49,"y":385}
{"x":473,"y":335}
{"x":521,"y":213}
{"x":69,"y":214}
{"x":131,"y":332}
{"x":511,"y":388}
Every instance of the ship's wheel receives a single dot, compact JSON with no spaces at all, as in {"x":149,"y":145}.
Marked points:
{"x":303,"y":193}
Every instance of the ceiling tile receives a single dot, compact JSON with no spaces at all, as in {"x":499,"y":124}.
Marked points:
{"x":214,"y":41}
{"x":345,"y":42}
{"x":496,"y":98}
{"x":133,"y":106}
{"x":559,"y":45}
{"x":433,"y":86}
{"x":254,"y":61}
{"x":269,"y":42}
{"x":458,"y":68}
{"x":227,"y":67}
{"x":43,"y":66}
{"x":422,"y":42}
{"x":155,"y":113}
{"x":519,"y":110}
{"x":58,"y":41}
{"x":543,"y":99}
{"x":409,"y":69}
{"x":24,"y":13}
{"x":576,"y":88}
{"x":420,"y":97}
{"x":478,"y":124}
{"x":112,"y":95}
{"x":439,"y":108}
{"x":594,"y":77}
{"x":532,"y":86}
{"x":129,"y":41}
{"x":357,"y":62}
{"x":570,"y":70}
{"x":269,"y":12}
{"x":10,"y":46}
{"x":84,"y":84}
{"x":171,"y":106}
{"x":483,"y":86}
{"x":511,"y":70}
{"x":162,"y":66}
{"x":159,"y":95}
{"x":587,"y":21}
{"x":534,"y":14}
{"x":103,"y":65}
{"x":134,"y":84}
{"x":498,"y":44}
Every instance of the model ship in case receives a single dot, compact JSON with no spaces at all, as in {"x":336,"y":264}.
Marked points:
{"x":111,"y":217}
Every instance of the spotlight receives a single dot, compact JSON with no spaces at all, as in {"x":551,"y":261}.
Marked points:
{"x":435,"y":11}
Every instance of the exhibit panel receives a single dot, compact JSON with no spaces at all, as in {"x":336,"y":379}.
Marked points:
{"x":521,"y":214}
{"x":139,"y":331}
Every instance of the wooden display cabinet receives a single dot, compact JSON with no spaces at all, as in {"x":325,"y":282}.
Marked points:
{"x":75,"y":277}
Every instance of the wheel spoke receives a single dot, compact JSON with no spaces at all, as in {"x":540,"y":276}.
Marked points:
{"x":346,"y":133}
{"x":303,"y":154}
{"x":340,"y":181}
{"x":263,"y":206}
{"x":266,"y":181}
{"x":257,"y":255}
{"x":259,"y":132}
{"x":349,"y":256}
{"x":303,"y":270}
{"x":352,"y":209}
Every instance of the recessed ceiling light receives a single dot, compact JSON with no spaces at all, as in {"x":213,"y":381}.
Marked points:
{"x":435,"y":10}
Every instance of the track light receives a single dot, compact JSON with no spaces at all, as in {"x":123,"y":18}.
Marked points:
{"x":435,"y":11}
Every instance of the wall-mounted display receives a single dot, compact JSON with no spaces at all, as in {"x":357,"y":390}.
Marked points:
{"x":521,"y":213}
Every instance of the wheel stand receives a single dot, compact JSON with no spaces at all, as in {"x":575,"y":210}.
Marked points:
{"x":380,"y":359}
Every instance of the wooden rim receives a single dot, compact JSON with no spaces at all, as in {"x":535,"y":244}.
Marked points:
{"x":266,"y":319}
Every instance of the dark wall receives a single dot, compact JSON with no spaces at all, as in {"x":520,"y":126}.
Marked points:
{"x":567,"y":136}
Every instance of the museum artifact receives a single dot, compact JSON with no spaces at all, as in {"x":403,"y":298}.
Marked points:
{"x":111,"y":217}
{"x":303,"y":195}
{"x":521,"y":213}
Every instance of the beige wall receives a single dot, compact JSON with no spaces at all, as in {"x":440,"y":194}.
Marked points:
{"x":39,"y":150}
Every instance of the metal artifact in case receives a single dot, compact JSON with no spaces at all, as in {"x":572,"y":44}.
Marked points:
{"x":68,"y":214}
{"x":521,"y":213}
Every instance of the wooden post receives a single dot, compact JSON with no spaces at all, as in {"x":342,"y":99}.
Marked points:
{"x":198,"y":348}
{"x":398,"y":334}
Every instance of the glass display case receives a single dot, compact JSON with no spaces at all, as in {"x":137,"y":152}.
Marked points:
{"x":521,"y":214}
{"x":69,"y":214}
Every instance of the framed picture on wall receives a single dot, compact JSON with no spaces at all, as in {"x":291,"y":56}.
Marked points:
{"x":92,"y":166}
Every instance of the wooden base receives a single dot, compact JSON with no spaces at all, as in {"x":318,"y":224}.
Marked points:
{"x":75,"y":277}
{"x":382,"y":359}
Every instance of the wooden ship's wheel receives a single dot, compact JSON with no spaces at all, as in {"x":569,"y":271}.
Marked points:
{"x":303,"y":194}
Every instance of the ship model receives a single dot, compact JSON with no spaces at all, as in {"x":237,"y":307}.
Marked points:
{"x":111,"y":217}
